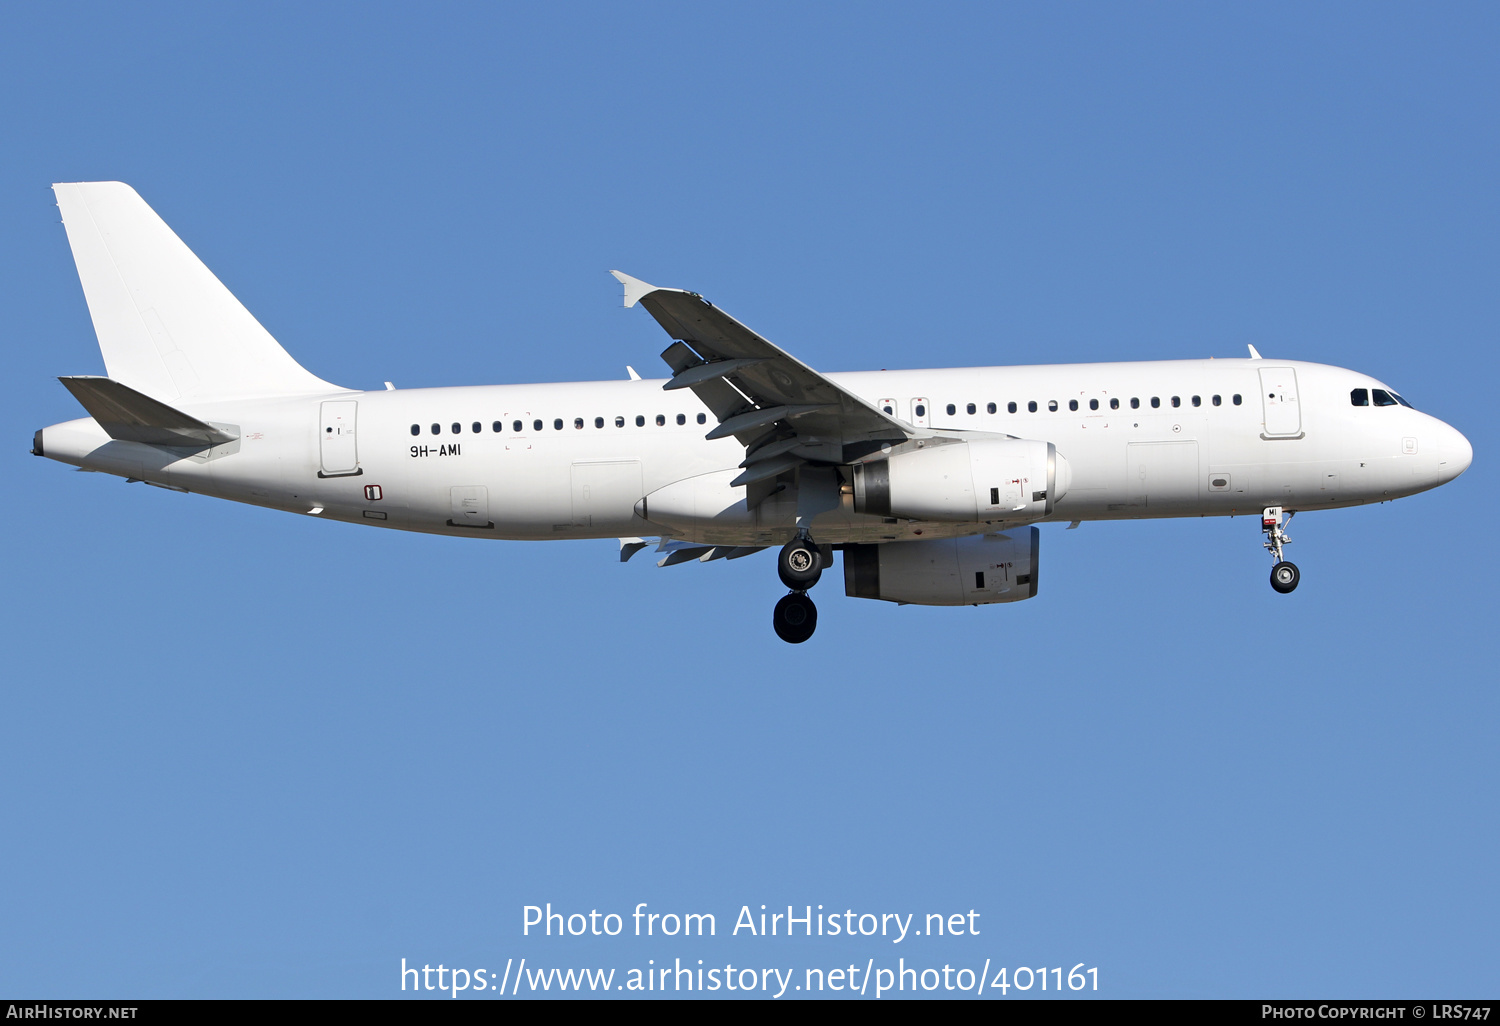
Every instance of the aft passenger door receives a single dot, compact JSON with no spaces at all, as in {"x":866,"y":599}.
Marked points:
{"x":339,"y":455}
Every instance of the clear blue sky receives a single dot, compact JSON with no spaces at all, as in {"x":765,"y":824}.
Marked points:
{"x":251,"y":754}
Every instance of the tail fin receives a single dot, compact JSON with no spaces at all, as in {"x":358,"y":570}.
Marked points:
{"x":167,"y":327}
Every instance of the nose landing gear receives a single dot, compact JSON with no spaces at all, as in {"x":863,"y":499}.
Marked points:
{"x":799,"y":566}
{"x":1284,"y":575}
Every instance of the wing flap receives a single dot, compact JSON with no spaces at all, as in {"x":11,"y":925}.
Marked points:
{"x":750,"y":384}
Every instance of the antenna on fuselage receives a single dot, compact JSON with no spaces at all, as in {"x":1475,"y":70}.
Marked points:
{"x":1253,"y":354}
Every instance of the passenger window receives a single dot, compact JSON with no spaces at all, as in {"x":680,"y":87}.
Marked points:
{"x":640,"y":421}
{"x":990,"y":408}
{"x":702,"y":418}
{"x":972,"y":408}
{"x":1114,"y":404}
{"x":476,"y":427}
{"x":887,"y":410}
{"x":1093,"y":404}
{"x":598,"y":422}
{"x":682,"y":418}
{"x":1052,"y":406}
{"x":536,"y":425}
{"x":1197,"y":400}
{"x":495,"y":427}
{"x":619,"y":422}
{"x":1031,"y":406}
{"x":952,"y":409}
{"x":458,"y":429}
{"x":1236,"y":399}
{"x":921,"y":410}
{"x":1072,"y":405}
{"x":437,"y":429}
{"x":1135,"y":404}
{"x":1176,"y":401}
{"x":578,"y":423}
{"x":1156,"y":402}
{"x":661,"y":420}
{"x":1383,"y":398}
{"x":1359,"y":397}
{"x":516,"y":426}
{"x":1218,"y":400}
{"x":416,"y":429}
{"x":557,"y":424}
{"x":1010,"y":407}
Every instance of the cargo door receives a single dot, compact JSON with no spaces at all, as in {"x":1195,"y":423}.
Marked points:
{"x":471,"y":507}
{"x":605,"y":493}
{"x":339,"y":455}
{"x":1278,"y":393}
{"x":1162,"y":476}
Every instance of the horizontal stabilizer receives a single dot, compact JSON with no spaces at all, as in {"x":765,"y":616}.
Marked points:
{"x":130,"y":416}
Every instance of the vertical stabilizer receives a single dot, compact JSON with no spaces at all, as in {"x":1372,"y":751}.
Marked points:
{"x":167,"y":327}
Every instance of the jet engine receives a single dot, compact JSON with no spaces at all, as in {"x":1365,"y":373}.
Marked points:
{"x":969,"y":571}
{"x":978,"y":480}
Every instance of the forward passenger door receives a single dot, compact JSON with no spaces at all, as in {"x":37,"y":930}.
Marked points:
{"x":1278,"y":393}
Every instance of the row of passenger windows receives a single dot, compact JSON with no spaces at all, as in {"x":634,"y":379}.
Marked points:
{"x":1358,"y":397}
{"x":517,"y":426}
{"x":1361,"y":397}
{"x":920,"y":410}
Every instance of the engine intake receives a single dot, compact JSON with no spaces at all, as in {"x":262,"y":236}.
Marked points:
{"x":971,"y":481}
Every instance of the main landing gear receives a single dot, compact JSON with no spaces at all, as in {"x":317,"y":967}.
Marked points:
{"x":800,"y":564}
{"x":1284,"y":575}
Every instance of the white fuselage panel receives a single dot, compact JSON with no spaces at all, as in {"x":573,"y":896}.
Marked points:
{"x":1160,"y":439}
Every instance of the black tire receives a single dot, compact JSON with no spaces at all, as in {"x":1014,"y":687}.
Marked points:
{"x":800,"y":564}
{"x":1284,"y":577}
{"x":795,"y":618}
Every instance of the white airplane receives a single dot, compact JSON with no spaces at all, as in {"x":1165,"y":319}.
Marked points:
{"x":929,"y":481}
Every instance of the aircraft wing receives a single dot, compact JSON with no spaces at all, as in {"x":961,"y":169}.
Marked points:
{"x":782,"y":411}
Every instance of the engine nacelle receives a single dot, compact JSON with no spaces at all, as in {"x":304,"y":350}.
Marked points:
{"x":970,"y":571}
{"x":976,"y":480}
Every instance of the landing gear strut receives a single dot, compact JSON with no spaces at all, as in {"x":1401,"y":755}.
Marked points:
{"x":1284,"y":575}
{"x":799,"y":566}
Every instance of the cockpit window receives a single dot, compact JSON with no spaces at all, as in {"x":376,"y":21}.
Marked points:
{"x":1384,"y":398}
{"x":1402,"y":401}
{"x":1360,"y":397}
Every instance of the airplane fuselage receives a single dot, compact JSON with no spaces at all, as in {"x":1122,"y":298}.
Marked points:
{"x":574,"y":460}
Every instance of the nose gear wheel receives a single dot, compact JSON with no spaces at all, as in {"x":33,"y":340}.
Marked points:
{"x":1284,"y":575}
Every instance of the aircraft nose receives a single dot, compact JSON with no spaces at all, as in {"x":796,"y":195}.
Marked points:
{"x":1454,"y":454}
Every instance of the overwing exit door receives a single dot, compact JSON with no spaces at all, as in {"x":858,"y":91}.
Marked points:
{"x":921,"y":413}
{"x":336,"y":443}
